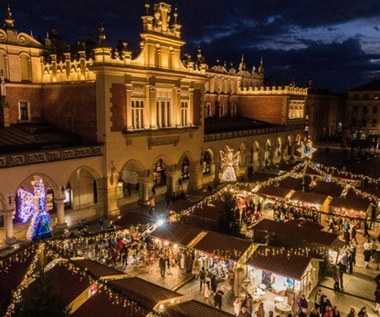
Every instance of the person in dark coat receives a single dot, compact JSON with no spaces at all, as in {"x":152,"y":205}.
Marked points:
{"x":218,"y":299}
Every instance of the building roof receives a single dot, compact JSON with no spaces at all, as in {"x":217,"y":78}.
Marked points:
{"x":356,"y":204}
{"x":96,"y":268}
{"x":177,"y":232}
{"x":293,"y":266}
{"x":324,"y":188}
{"x":303,"y":236}
{"x":226,"y":124}
{"x":143,"y":292}
{"x":100,"y":305}
{"x":134,"y":219}
{"x":373,"y":85}
{"x":180,"y":205}
{"x":291,"y":182}
{"x":223,"y":245}
{"x":34,"y":136}
{"x":193,"y":308}
{"x":309,"y":197}
{"x":274,"y":191}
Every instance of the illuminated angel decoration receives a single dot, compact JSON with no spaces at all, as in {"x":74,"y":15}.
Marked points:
{"x":33,"y":206}
{"x":229,"y":162}
{"x":307,"y":149}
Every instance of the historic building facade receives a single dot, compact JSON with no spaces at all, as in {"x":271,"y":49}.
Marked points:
{"x":143,"y":122}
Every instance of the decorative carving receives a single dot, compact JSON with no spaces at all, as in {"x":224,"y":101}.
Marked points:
{"x":36,"y":157}
{"x":68,"y":154}
{"x":138,"y":90}
{"x":155,"y":141}
{"x":83,"y":152}
{"x":17,"y":160}
{"x":3,"y":161}
{"x":53,"y":156}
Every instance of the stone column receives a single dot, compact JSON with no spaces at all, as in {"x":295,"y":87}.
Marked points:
{"x":146,"y":185}
{"x":292,"y":149}
{"x":196,"y":175}
{"x":171,"y":180}
{"x":217,"y":170}
{"x":8,"y":226}
{"x":61,"y":224}
{"x":261,"y":155}
{"x":283,"y":147}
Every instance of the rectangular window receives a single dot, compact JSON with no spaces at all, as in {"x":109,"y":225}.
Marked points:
{"x":374,"y":123}
{"x":365,"y":109}
{"x":374,"y":109}
{"x":207,"y":110}
{"x":23,"y":111}
{"x":137,"y":114}
{"x":184,"y":113}
{"x":163,"y":108}
{"x":296,"y":110}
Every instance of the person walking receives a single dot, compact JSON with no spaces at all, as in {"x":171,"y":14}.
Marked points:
{"x":353,"y":234}
{"x":244,"y":312}
{"x":363,"y":312}
{"x":218,"y":299}
{"x":162,"y":264}
{"x":207,"y":293}
{"x":202,"y":278}
{"x":377,"y":299}
{"x":260,"y":311}
{"x":237,"y":305}
{"x":352,"y":312}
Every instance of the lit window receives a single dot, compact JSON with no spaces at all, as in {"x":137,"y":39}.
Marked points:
{"x":184,"y":114}
{"x":137,"y":114}
{"x":185,"y":168}
{"x":159,"y":176}
{"x":206,"y":163}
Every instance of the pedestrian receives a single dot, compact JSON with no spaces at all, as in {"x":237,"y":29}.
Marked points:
{"x":367,"y":257}
{"x":302,"y":304}
{"x":346,"y":235}
{"x":353,"y":234}
{"x":314,"y":312}
{"x":260,"y":311}
{"x":214,"y":283}
{"x":237,"y":305}
{"x":207,"y":293}
{"x":363,"y":312}
{"x":244,"y":312}
{"x":124,"y":256}
{"x":377,"y":299}
{"x":101,"y":224}
{"x":342,"y":270}
{"x":336,"y":312}
{"x":365,"y":231}
{"x":218,"y":299}
{"x":352,"y":312}
{"x":202,"y":278}
{"x":350,"y":262}
{"x":162,"y":265}
{"x":317,"y":299}
{"x":329,"y":312}
{"x":336,"y":278}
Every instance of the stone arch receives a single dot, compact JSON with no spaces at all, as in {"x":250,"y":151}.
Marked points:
{"x":81,"y":189}
{"x":278,"y":150}
{"x":51,"y":191}
{"x":244,"y":155}
{"x":159,"y":172}
{"x":130,"y":174}
{"x":267,"y":151}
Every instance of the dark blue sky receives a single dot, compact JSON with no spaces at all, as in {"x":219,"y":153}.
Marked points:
{"x":337,"y":42}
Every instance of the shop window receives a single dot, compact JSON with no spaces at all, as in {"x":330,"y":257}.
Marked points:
{"x":185,"y":168}
{"x":159,"y":176}
{"x":206,"y":163}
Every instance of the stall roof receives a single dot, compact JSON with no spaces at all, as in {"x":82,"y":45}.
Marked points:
{"x":10,"y":279}
{"x":293,"y":266}
{"x":193,"y":308}
{"x":291,"y":182}
{"x":69,"y":284}
{"x":309,"y":197}
{"x":100,"y":305}
{"x":177,"y":232}
{"x":96,"y":268}
{"x":306,"y":235}
{"x":351,"y":203}
{"x":134,"y":219}
{"x":330,"y":189}
{"x":305,"y":224}
{"x":223,"y":245}
{"x":274,"y":191}
{"x":143,"y":292}
{"x":210,"y":210}
{"x":180,"y":204}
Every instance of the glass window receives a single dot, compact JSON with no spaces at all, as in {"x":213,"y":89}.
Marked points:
{"x":206,"y":163}
{"x":159,"y":176}
{"x":185,"y":168}
{"x":23,"y":111}
{"x":137,"y":114}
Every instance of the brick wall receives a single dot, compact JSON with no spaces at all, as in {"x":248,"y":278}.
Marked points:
{"x":197,"y":107}
{"x":71,"y":108}
{"x":118,"y":113}
{"x":263,"y":108}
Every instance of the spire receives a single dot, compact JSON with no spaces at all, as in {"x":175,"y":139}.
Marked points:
{"x":102,"y":36}
{"x":261,"y":67}
{"x":242,"y":65}
{"x":9,"y":19}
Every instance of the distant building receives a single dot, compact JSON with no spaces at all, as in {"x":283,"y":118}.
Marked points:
{"x":363,"y":111}
{"x":95,"y":122}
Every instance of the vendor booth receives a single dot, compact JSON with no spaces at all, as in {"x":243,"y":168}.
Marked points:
{"x":281,"y":274}
{"x":223,"y":256}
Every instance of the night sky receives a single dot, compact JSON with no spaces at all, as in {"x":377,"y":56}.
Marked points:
{"x":336,"y":42}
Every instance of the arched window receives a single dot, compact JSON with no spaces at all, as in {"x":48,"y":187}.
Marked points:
{"x":206,"y":163}
{"x":159,"y":176}
{"x":185,"y":168}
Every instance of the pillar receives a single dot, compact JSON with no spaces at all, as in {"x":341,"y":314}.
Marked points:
{"x":217,"y":170}
{"x":283,"y":147}
{"x":145,"y":190}
{"x":261,"y":155}
{"x":8,"y":226}
{"x":196,"y":176}
{"x":61,"y":224}
{"x":292,"y":149}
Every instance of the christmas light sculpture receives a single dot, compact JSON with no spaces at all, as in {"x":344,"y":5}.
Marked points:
{"x":229,"y":163}
{"x":34,"y":206}
{"x":307,"y":149}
